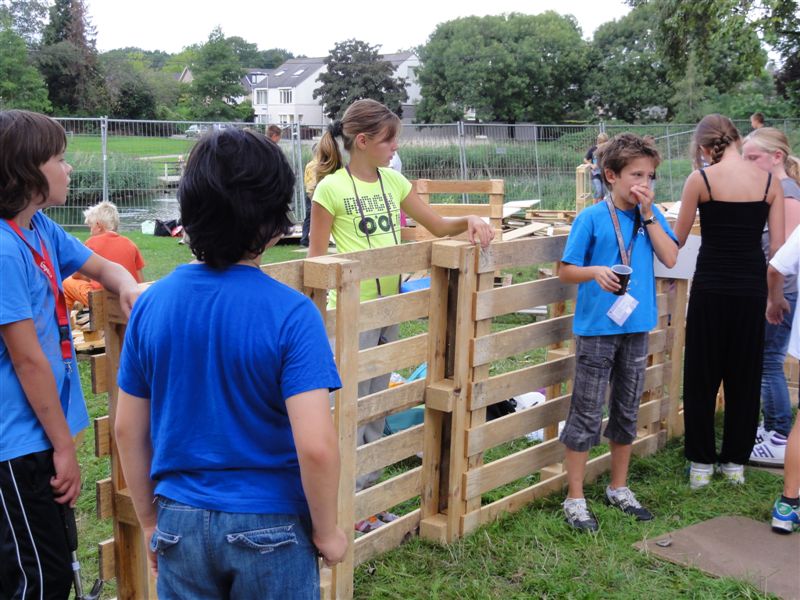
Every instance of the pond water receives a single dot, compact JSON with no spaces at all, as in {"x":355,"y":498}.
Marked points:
{"x":131,"y":216}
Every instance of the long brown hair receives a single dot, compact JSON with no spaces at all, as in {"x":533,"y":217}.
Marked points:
{"x":363,"y":116}
{"x":715,"y":132}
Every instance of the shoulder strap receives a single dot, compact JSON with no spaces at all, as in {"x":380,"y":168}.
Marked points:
{"x":708,"y":185}
{"x":769,"y":181}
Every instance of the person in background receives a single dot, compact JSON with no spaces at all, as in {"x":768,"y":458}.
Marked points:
{"x":228,"y":447}
{"x":725,"y":317}
{"x":309,"y":183}
{"x":274,"y":133}
{"x":598,"y":190}
{"x":757,"y":120}
{"x":103,"y":222}
{"x":768,"y":149}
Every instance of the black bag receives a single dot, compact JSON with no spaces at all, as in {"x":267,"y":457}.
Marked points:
{"x":165,"y":228}
{"x":501,"y":409}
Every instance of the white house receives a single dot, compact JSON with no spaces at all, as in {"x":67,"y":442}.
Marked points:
{"x":286,"y":95}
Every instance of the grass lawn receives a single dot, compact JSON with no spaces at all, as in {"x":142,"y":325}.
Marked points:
{"x":130,"y":144}
{"x":531,"y":554}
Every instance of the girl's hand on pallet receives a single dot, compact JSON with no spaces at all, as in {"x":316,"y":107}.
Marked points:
{"x":332,"y":547}
{"x":479,"y":231}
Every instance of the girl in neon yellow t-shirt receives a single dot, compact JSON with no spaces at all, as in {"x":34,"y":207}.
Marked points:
{"x":359,"y":205}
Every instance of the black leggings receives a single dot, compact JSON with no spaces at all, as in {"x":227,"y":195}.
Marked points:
{"x":724,"y":342}
{"x":34,"y":555}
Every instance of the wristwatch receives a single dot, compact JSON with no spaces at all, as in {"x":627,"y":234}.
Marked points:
{"x":649,"y":221}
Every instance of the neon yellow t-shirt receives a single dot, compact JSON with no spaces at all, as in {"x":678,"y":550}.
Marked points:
{"x":335,"y":194}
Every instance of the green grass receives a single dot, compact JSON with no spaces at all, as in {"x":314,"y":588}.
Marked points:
{"x":131,"y":145}
{"x":530,"y":554}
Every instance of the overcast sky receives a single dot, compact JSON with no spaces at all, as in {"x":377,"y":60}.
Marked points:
{"x":170,"y":25}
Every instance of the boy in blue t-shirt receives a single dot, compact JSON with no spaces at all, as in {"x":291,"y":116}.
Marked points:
{"x":223,"y":424}
{"x":41,"y":404}
{"x":611,"y":330}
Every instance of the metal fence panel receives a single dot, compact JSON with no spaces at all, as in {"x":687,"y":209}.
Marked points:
{"x":137,"y":164}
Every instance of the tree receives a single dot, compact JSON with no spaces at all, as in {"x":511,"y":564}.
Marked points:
{"x":68,"y":61}
{"x":692,"y":95}
{"x":507,"y":68}
{"x":720,"y":34}
{"x":217,"y":79}
{"x":356,"y":71}
{"x":274,"y":58}
{"x":21,"y":85}
{"x":26,"y":18}
{"x":627,"y":76}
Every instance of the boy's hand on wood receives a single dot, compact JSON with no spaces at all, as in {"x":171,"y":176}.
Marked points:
{"x":606,"y":279}
{"x":478,"y":231}
{"x":127,"y":297}
{"x":66,"y":483}
{"x":332,"y":547}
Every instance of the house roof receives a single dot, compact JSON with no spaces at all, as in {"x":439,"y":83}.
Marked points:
{"x":253,"y":78}
{"x":293,"y":72}
{"x":397,"y":58}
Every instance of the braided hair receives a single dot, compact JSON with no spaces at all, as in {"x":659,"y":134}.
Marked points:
{"x":715,"y":133}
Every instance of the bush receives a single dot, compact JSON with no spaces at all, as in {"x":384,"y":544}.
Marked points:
{"x":128,"y":178}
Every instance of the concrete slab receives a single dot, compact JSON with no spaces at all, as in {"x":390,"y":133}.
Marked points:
{"x":735,"y":547}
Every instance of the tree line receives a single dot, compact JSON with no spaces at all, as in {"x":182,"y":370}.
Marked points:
{"x":665,"y":60}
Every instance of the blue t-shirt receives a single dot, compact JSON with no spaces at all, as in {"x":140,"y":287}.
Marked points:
{"x":25,"y":294}
{"x":592,"y":242}
{"x":218,"y":352}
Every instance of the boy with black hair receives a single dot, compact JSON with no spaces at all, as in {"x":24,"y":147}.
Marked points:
{"x":223,"y":424}
{"x":610,"y":329}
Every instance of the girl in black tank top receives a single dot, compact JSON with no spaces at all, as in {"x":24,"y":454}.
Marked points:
{"x":729,"y":297}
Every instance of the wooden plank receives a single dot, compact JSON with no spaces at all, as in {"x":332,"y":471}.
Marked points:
{"x":388,"y":494}
{"x":391,"y":401}
{"x":514,"y":502}
{"x":524,"y":231}
{"x":123,"y":508}
{"x":514,"y":383}
{"x":675,"y":424}
{"x":462,"y":210}
{"x":104,"y":495}
{"x":99,"y":367}
{"x":289,"y":273}
{"x":321,"y":272}
{"x":383,"y":359}
{"x":405,"y":258}
{"x":447,"y":253}
{"x":388,"y":450}
{"x":459,"y":186}
{"x":385,"y":538}
{"x":520,"y":296}
{"x":97,"y":310}
{"x":516,"y":425}
{"x":102,"y":436}
{"x":529,"y":251}
{"x":386,"y":311}
{"x":112,"y":310}
{"x":105,"y":555}
{"x":441,"y":395}
{"x":657,"y":341}
{"x":348,"y":277}
{"x":525,"y":462}
{"x":519,"y":339}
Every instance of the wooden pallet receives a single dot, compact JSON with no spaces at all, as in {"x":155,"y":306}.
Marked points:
{"x":88,"y":341}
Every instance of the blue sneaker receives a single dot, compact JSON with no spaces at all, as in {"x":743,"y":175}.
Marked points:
{"x":785,"y":518}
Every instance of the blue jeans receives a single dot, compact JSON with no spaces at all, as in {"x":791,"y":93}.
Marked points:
{"x":207,"y":554}
{"x":774,"y":392}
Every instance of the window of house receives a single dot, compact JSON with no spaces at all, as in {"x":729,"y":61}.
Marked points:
{"x":261,"y":97}
{"x":286,"y":95}
{"x":298,"y":72}
{"x":279,"y":73}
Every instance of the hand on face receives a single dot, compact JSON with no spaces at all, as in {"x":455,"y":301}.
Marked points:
{"x":644,"y":197}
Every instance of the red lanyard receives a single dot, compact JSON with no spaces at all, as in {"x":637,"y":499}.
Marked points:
{"x":45,"y":265}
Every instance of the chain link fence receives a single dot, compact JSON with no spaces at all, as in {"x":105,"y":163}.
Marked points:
{"x":137,"y":164}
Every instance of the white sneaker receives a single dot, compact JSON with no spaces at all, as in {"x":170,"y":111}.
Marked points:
{"x":761,"y":433}
{"x":700,"y":475}
{"x":771,"y":451}
{"x":732,"y":473}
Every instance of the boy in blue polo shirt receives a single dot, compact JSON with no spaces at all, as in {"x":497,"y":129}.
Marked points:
{"x":612,"y":322}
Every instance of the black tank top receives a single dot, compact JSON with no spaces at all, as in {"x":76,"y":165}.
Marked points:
{"x":730,"y":260}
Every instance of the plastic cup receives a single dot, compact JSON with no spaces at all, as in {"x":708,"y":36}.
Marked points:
{"x":623,"y":273}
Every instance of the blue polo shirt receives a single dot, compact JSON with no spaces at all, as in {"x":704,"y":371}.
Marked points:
{"x":592,"y":241}
{"x":25,"y":294}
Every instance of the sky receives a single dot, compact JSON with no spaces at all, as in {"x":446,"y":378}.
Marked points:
{"x":170,"y":25}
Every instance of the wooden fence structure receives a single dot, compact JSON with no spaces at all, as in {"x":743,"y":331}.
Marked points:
{"x":445,"y":496}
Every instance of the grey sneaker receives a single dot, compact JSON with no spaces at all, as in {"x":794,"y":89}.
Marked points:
{"x":732,"y":473}
{"x":578,"y":515}
{"x":700,"y":475}
{"x":625,"y":500}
